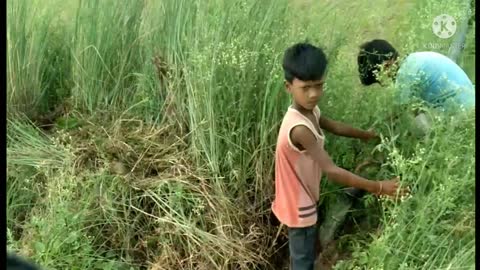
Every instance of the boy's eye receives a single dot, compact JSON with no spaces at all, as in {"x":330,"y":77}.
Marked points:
{"x":314,"y":86}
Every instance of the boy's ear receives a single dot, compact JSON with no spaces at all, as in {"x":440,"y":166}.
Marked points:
{"x":287,"y":86}
{"x":388,"y":63}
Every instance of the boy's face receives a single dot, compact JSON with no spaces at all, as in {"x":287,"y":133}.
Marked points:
{"x":306,"y":93}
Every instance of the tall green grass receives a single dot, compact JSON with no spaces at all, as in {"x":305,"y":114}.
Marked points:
{"x":106,"y":48}
{"x":27,"y":46}
{"x":176,"y":106}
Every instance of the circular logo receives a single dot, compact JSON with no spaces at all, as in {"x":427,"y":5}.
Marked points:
{"x":444,"y":26}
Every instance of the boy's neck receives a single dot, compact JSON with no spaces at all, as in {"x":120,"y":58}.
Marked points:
{"x":301,"y":109}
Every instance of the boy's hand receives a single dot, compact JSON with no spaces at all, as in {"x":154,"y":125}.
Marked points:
{"x":370,"y":135}
{"x":391,"y":188}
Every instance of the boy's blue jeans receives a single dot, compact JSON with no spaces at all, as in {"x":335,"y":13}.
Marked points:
{"x":304,"y":246}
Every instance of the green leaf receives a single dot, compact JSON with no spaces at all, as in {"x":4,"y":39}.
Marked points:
{"x":71,"y":238}
{"x":67,"y":123}
{"x":39,"y":247}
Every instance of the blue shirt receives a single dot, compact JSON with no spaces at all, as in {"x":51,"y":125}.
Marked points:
{"x":435,"y":79}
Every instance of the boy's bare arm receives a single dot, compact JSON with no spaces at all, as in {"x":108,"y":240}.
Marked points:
{"x":345,"y":130}
{"x":301,"y":135}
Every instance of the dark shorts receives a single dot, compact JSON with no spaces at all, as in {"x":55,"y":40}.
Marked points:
{"x":304,"y":246}
{"x":302,"y":243}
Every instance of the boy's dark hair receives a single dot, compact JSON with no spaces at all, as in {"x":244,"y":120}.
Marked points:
{"x":304,"y":62}
{"x":372,"y":54}
{"x":14,"y":262}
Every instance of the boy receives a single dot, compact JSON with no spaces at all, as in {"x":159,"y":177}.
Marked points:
{"x":300,"y":159}
{"x":14,"y":262}
{"x":429,"y":76}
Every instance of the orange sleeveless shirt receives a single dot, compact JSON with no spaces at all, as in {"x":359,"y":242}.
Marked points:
{"x":297,"y":175}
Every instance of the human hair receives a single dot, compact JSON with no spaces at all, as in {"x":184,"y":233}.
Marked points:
{"x":15,"y":262}
{"x":372,"y":54}
{"x":304,"y":62}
